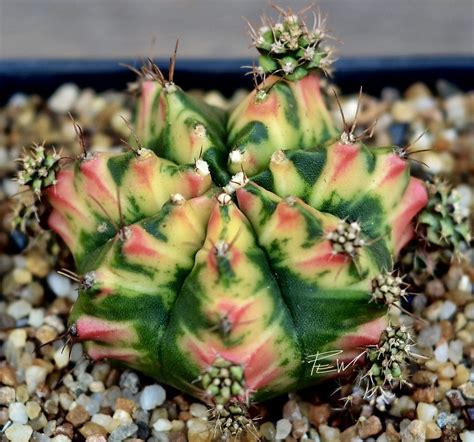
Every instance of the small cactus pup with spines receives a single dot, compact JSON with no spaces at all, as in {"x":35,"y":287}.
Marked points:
{"x":227,"y":251}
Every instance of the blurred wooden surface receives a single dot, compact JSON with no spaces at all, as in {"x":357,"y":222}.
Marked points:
{"x":214,"y":28}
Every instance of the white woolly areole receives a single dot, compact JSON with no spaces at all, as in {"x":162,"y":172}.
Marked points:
{"x":237,"y":181}
{"x":200,"y":131}
{"x":278,"y":157}
{"x":236,"y":156}
{"x":170,"y":87}
{"x":178,"y":199}
{"x":201,"y":167}
{"x":224,"y":199}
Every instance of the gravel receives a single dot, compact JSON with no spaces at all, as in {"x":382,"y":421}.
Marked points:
{"x":57,"y":395}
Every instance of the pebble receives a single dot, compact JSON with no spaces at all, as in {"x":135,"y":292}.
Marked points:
{"x":92,"y":429}
{"x":19,"y":309}
{"x":35,"y":376}
{"x":64,"y":98}
{"x":130,"y":381}
{"x":162,"y":425}
{"x":446,"y":370}
{"x":268,"y":431}
{"x":455,"y":351}
{"x":319,"y":414}
{"x":36,"y":317}
{"x":447,"y":310}
{"x":369,"y":427}
{"x":7,"y":395}
{"x":77,"y":415}
{"x":432,"y":431}
{"x":300,"y":428}
{"x":17,"y":413}
{"x":152,"y":396}
{"x":462,"y":375}
{"x":426,"y":412}
{"x":33,"y":409}
{"x":429,"y":336}
{"x":7,"y":376}
{"x":198,"y":431}
{"x":467,"y":390}
{"x":329,"y":434}
{"x":415,"y":431}
{"x":283,"y":428}
{"x":441,"y":352}
{"x":17,"y":338}
{"x":123,"y":432}
{"x":19,"y":433}
{"x":60,"y":285}
{"x":291,"y":410}
{"x":198,"y":410}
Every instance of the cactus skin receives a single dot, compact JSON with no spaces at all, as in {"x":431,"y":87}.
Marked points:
{"x":179,"y":276}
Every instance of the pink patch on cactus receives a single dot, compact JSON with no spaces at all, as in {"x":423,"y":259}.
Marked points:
{"x":310,"y":90}
{"x":94,"y":329}
{"x":324,"y":258}
{"x":366,"y":334}
{"x":246,"y":200}
{"x":99,"y":352}
{"x":288,"y":217}
{"x":262,"y":366}
{"x":345,"y":155}
{"x":414,"y":199}
{"x":94,"y":184}
{"x":146,"y":100}
{"x":267,"y":108}
{"x":58,"y":224}
{"x":195,"y":185}
{"x":136,"y":244}
{"x":63,"y":195}
{"x":396,"y":166}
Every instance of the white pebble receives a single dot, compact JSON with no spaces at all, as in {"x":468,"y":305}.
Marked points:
{"x":60,"y":285}
{"x":448,"y":310}
{"x":19,"y":433}
{"x":441,"y":352}
{"x":455,"y":351}
{"x":17,"y":413}
{"x":122,"y":416}
{"x":162,"y":425}
{"x":103,"y":420}
{"x":10,"y":187}
{"x":198,"y":410}
{"x":426,"y":412}
{"x":17,"y":338}
{"x":36,"y":318}
{"x":64,"y":98}
{"x":19,"y":309}
{"x":152,"y":396}
{"x":35,"y":376}
{"x":283,"y":428}
{"x":467,"y":436}
{"x":61,"y":357}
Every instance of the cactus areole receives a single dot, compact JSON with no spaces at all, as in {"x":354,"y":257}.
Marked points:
{"x":228,"y":250}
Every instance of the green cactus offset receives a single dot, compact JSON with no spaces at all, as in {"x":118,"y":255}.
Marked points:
{"x":228,"y":248}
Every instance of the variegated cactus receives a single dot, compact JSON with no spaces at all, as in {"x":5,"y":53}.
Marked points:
{"x":236,"y":256}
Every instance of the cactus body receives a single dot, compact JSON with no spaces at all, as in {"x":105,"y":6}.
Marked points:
{"x":234,"y":250}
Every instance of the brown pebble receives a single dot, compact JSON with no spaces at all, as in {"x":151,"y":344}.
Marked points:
{"x":455,"y":398}
{"x":391,"y":434}
{"x":182,"y":403}
{"x":7,"y":376}
{"x":435,"y":288}
{"x":112,"y":378}
{"x":46,"y":334}
{"x":3,"y":415}
{"x":424,"y":395}
{"x":184,"y":416}
{"x":92,"y":429}
{"x":424,"y":378}
{"x":65,"y":429}
{"x":125,"y":404}
{"x":177,"y":437}
{"x":319,"y":414}
{"x":450,"y":434}
{"x":77,"y":416}
{"x":291,"y":410}
{"x":432,"y":431}
{"x":349,"y":434}
{"x":447,"y":329}
{"x":6,"y":321}
{"x":369,"y":427}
